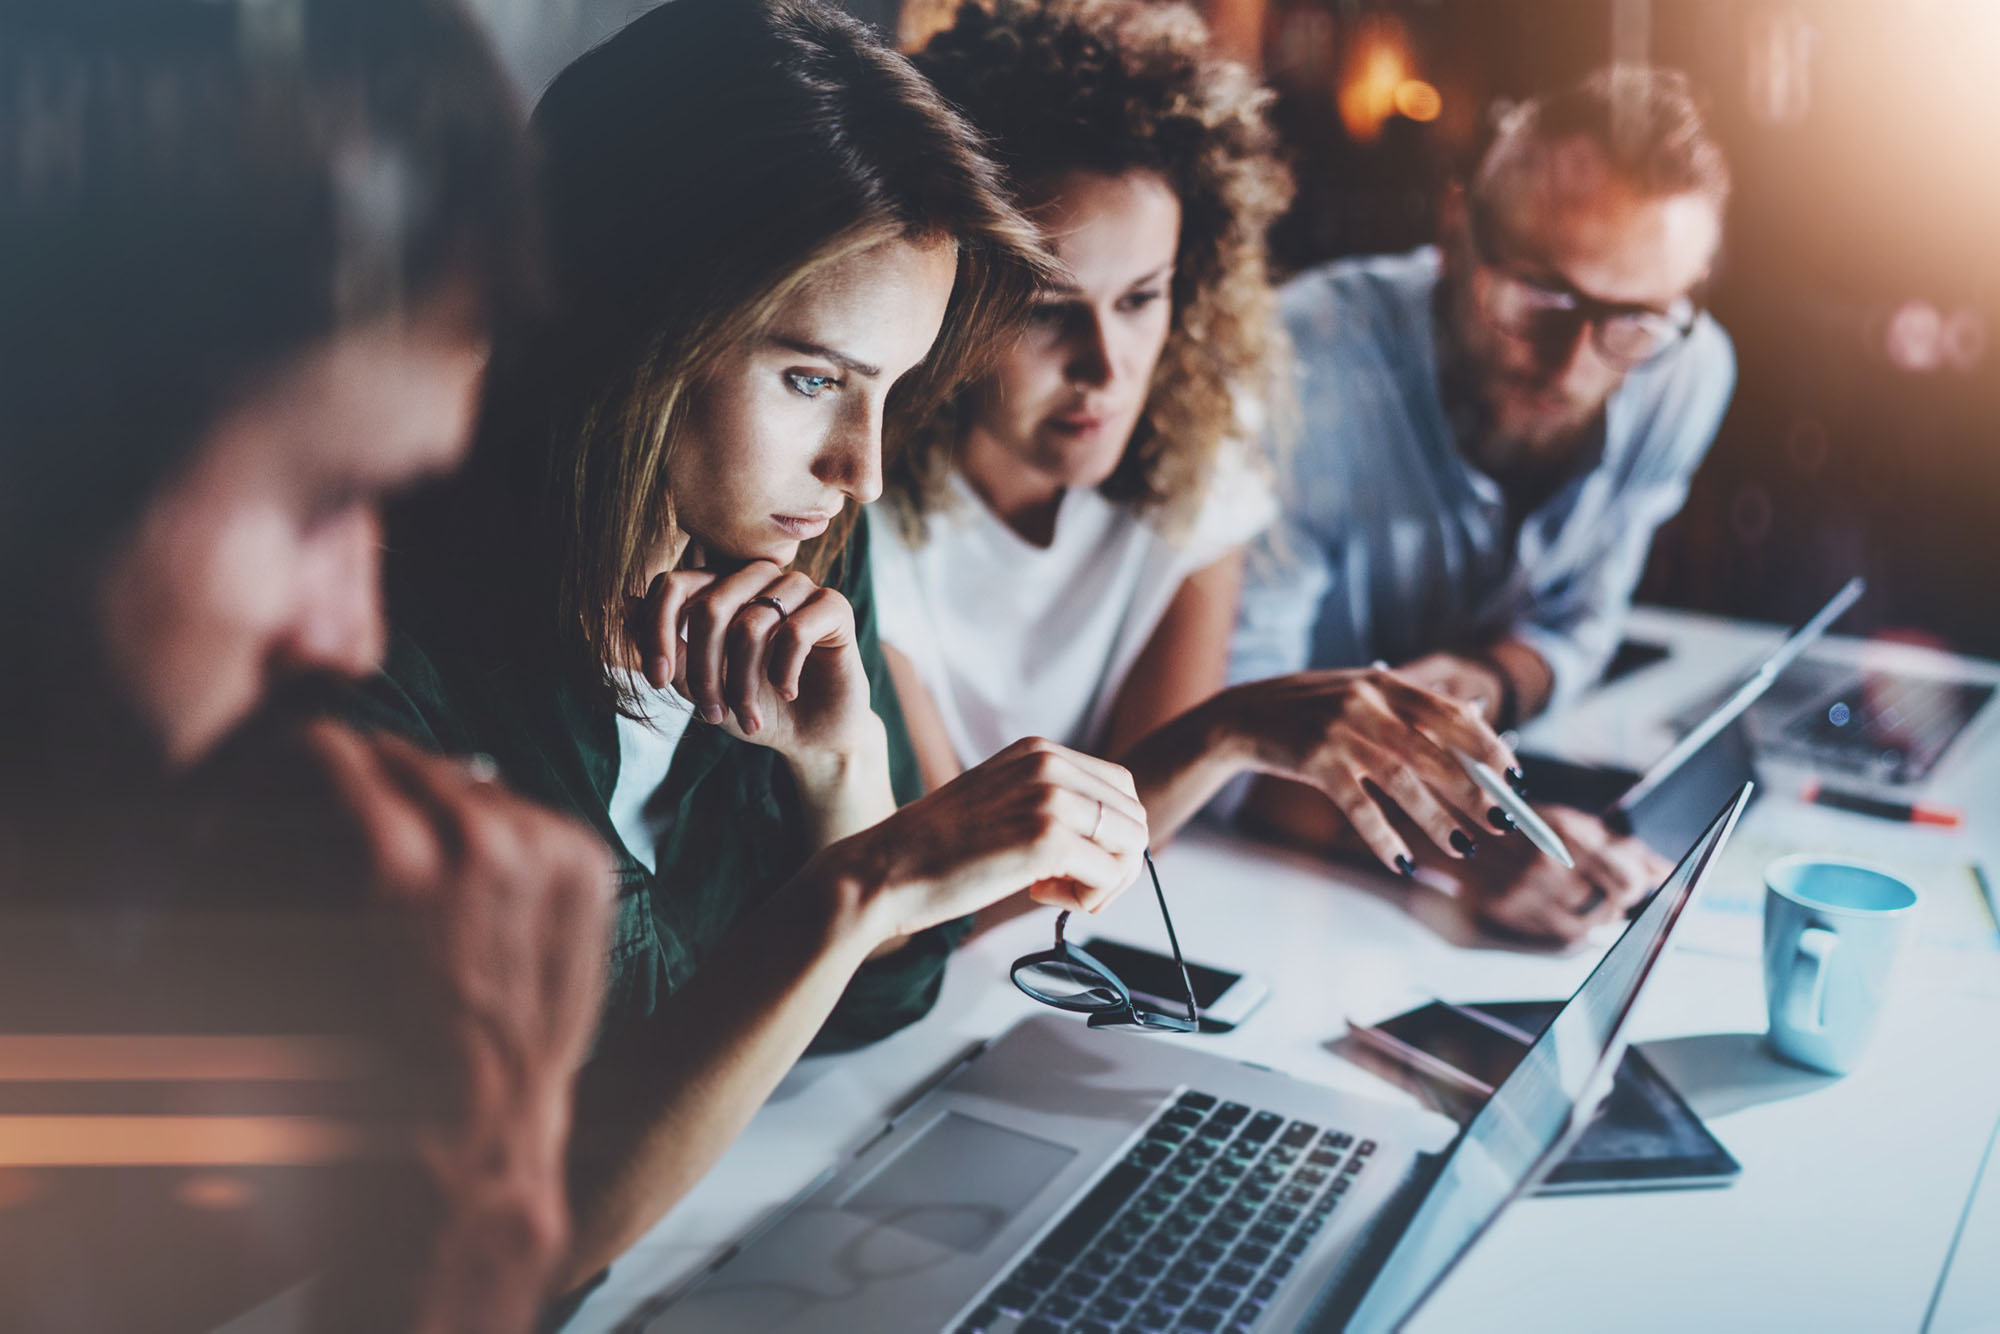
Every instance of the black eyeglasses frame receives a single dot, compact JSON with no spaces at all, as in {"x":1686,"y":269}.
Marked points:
{"x":1114,"y":1006}
{"x":1583,"y":308}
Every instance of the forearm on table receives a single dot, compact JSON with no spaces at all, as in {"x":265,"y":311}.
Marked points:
{"x":648,"y":1131}
{"x":1181,"y":764}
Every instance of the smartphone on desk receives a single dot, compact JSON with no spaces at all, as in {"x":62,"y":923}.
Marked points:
{"x":1226,"y":999}
{"x":1470,"y":1052}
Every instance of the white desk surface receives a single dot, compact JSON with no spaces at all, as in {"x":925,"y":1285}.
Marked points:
{"x":1854,"y":1210}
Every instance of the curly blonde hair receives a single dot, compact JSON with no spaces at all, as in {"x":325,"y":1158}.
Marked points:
{"x":1113,"y":86}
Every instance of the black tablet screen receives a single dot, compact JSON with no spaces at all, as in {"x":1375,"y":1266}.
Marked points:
{"x":1643,"y":1133}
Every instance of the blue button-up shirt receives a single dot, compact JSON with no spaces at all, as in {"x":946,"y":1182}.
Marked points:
{"x":1394,"y":545}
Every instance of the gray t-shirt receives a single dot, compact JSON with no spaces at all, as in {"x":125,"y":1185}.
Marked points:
{"x":1393,"y":545}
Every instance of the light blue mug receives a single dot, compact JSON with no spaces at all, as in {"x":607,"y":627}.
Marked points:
{"x":1831,"y":932}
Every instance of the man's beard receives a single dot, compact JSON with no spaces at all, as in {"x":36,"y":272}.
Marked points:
{"x":1468,"y":387}
{"x":1544,"y":442}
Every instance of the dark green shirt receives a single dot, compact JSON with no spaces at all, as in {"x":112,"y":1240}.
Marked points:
{"x":734,"y":830}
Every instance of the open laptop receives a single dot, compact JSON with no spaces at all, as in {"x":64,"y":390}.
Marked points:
{"x":1668,"y":805}
{"x":1882,"y":726}
{"x":1069,"y":1179}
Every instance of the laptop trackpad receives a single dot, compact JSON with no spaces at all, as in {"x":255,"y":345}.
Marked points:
{"x":960,"y":1182}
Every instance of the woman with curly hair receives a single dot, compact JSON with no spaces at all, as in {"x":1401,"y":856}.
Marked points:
{"x":1071,"y":529}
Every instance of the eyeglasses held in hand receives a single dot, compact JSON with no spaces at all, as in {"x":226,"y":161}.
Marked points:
{"x":1069,"y":979}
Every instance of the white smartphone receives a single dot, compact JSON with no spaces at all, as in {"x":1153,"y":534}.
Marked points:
{"x":1226,"y":999}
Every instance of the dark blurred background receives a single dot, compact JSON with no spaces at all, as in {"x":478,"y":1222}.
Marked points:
{"x":1861,"y":283}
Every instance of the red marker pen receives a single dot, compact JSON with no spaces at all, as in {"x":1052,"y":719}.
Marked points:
{"x":1944,"y":817}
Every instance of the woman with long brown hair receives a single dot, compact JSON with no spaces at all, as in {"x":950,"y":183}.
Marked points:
{"x":648,"y":598}
{"x":1073,"y":527}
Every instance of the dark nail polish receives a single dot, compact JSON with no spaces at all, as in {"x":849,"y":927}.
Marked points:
{"x":1519,"y":782}
{"x":1465,"y":846}
{"x":1405,"y":867}
{"x":1501,"y":820}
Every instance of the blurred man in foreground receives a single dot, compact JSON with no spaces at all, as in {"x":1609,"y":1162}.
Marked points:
{"x":249,"y":254}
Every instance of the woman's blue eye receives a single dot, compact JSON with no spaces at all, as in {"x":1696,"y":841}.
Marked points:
{"x":810,"y":386}
{"x":1139,"y":300}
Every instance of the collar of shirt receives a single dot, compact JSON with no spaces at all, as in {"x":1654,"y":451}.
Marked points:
{"x":1083,"y":518}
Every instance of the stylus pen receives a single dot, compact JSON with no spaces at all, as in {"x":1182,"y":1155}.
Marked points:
{"x":1519,"y":811}
{"x":1905,"y":812}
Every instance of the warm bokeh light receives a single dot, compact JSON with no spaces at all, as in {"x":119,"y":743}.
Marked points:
{"x":153,"y":1056}
{"x":1965,"y":340}
{"x":923,"y":19}
{"x":215,"y":1192}
{"x":17,"y":1187}
{"x":190,"y":1141}
{"x":1915,"y":338}
{"x":1377,"y":64}
{"x":1418,"y":100}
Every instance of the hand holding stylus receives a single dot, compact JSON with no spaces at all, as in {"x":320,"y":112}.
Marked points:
{"x":1520,"y":889}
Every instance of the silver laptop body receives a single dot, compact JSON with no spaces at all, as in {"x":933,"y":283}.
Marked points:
{"x":999,"y":1201}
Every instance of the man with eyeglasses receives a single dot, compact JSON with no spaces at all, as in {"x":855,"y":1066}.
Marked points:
{"x":1493,"y":429}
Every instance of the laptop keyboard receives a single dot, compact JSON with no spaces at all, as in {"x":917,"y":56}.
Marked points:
{"x":1193,"y":1230}
{"x":1888,"y":728}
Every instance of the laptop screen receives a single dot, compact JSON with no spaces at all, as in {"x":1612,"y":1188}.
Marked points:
{"x":1507,"y":1144}
{"x":1732,"y":704}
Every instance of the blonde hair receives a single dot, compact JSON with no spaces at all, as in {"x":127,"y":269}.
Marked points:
{"x":672,"y":242}
{"x":1109,"y":86}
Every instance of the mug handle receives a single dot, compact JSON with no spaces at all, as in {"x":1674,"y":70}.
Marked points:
{"x":1805,"y":989}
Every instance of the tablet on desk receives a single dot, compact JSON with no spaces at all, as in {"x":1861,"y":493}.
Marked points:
{"x":1643,"y":1137}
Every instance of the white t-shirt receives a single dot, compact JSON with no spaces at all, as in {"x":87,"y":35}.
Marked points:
{"x":645,"y":753}
{"x":1015,"y":640}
